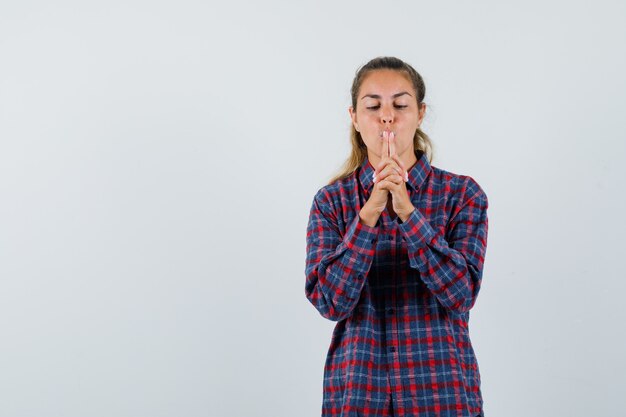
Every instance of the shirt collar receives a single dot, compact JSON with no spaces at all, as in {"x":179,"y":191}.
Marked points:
{"x":417,"y":173}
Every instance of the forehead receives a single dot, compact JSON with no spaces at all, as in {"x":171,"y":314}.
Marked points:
{"x":385,"y":83}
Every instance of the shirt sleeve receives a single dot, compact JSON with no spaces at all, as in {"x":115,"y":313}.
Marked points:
{"x":452,"y":266}
{"x":336,"y":264}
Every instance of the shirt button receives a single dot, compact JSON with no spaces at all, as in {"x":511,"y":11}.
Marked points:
{"x":392,"y":349}
{"x":390,"y":311}
{"x":373,"y":240}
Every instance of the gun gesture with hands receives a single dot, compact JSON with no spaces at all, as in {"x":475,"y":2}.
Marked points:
{"x":389,"y":177}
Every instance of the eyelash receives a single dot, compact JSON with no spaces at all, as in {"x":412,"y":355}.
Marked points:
{"x":375,"y":107}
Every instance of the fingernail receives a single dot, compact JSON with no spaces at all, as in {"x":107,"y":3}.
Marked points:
{"x":406,"y":176}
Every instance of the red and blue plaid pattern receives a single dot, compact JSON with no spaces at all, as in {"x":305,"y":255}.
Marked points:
{"x":400,"y":293}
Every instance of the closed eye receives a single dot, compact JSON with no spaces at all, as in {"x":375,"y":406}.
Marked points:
{"x":376,"y":107}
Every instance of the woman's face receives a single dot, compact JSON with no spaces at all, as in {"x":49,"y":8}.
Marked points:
{"x":386,"y":101}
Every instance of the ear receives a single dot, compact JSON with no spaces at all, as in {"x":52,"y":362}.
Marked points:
{"x":353,"y":117}
{"x":421,"y":114}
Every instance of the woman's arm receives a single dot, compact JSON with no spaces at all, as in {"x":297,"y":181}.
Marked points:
{"x":452,"y":268}
{"x":336,"y":265}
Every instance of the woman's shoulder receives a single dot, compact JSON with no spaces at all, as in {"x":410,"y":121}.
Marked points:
{"x":464,"y":185}
{"x":336,"y":190}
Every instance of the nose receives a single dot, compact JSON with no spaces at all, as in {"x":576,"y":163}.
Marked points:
{"x":386,"y":116}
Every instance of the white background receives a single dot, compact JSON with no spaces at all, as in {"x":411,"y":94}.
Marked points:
{"x":158,"y":162}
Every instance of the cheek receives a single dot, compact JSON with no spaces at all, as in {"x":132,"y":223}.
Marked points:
{"x":370,"y":119}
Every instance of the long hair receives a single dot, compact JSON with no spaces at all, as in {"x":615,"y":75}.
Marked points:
{"x":421,"y":141}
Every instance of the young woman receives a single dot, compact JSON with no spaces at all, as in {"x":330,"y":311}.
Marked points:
{"x":395,"y":252}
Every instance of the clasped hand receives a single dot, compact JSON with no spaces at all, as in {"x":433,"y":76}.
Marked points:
{"x":390,"y":176}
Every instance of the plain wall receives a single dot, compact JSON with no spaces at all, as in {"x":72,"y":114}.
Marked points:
{"x":158,"y":161}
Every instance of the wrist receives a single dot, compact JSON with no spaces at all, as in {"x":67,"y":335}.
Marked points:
{"x":404,"y":216}
{"x":368,"y":217}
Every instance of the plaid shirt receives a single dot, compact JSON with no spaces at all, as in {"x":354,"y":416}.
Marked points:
{"x":400,"y":293}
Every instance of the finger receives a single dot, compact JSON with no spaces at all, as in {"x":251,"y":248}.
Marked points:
{"x":405,"y":172}
{"x":388,"y":167}
{"x":387,"y":140}
{"x":380,"y":186}
{"x":391,"y":183}
{"x":399,"y":161}
{"x":383,"y":162}
{"x":383,"y":146}
{"x":392,"y":144}
{"x":382,"y":154}
{"x":395,"y":179}
{"x":388,"y":175}
{"x":392,"y":169}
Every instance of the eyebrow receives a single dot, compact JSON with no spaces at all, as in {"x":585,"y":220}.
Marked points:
{"x":377,"y":96}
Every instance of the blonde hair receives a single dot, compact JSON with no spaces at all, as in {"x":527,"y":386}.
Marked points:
{"x":421,"y":141}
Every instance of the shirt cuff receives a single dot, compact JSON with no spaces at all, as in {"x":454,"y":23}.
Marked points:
{"x":417,"y":231}
{"x":361,"y":238}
